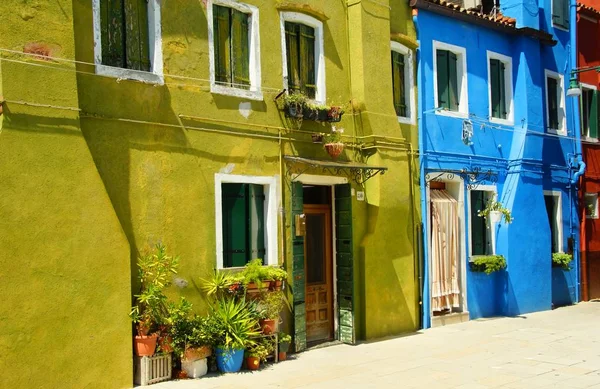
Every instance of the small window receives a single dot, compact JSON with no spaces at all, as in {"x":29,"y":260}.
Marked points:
{"x":402,"y":82}
{"x":447,"y":80}
{"x":589,"y":113}
{"x":450,"y":69}
{"x":498,"y":87}
{"x":560,"y":13}
{"x":481,"y":239}
{"x":555,"y":102}
{"x":553,"y":209}
{"x":231,"y":47}
{"x":300,"y":53}
{"x":591,"y":205}
{"x":243,"y":221}
{"x":124,"y":34}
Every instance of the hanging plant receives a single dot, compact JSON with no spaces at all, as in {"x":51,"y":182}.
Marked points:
{"x":333,"y":142}
{"x":495,"y":212}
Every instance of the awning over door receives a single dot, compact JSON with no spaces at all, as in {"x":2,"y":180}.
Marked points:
{"x":359,"y":172}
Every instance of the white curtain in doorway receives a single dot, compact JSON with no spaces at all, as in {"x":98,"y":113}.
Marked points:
{"x":445,"y":289}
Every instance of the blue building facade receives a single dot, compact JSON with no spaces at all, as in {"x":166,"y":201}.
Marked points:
{"x":495,"y":122}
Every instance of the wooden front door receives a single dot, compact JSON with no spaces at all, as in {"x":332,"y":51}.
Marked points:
{"x":318,"y":270}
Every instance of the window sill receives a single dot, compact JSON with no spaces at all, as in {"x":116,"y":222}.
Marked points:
{"x":406,"y":120}
{"x":557,"y":131}
{"x":589,"y":139}
{"x":505,"y":122}
{"x":472,"y":258}
{"x":559,"y":27}
{"x":454,"y":114}
{"x":129,"y":74}
{"x":591,"y":217}
{"x":236,"y":92}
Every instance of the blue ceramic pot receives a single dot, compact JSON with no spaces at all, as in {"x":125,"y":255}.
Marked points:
{"x":229,"y":360}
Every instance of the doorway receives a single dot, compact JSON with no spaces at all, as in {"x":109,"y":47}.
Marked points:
{"x":318,"y":264}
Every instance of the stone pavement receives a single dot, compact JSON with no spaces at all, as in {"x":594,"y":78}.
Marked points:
{"x":552,"y":349}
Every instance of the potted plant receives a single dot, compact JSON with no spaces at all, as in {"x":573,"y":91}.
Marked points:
{"x":335,"y":114}
{"x":258,"y":353}
{"x":488,"y":263}
{"x":255,"y":276}
{"x":494,"y":211}
{"x":277,"y":276}
{"x":293,"y":104}
{"x":333,"y":142}
{"x":150,"y":309}
{"x":317,"y":137}
{"x":269,"y":308}
{"x":562,"y":260}
{"x":284,"y":345}
{"x":235,"y":326}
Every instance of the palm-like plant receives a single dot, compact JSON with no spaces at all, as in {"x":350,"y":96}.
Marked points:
{"x":238,"y":321}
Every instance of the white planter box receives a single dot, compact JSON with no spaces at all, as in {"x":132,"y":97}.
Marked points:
{"x":195,"y":369}
{"x":150,"y":370}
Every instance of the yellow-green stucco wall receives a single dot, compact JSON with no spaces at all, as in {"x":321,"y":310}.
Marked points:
{"x":86,"y":191}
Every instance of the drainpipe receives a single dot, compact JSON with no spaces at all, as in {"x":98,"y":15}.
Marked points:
{"x":578,"y":155}
{"x":423,"y":273}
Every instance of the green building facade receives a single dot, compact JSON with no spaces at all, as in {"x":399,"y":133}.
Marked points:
{"x":129,"y":122}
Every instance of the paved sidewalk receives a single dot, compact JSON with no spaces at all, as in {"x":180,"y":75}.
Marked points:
{"x":552,"y":349}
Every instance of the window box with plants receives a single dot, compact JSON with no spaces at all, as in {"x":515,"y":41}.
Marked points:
{"x":562,"y":261}
{"x":297,"y":105}
{"x":487,"y":264}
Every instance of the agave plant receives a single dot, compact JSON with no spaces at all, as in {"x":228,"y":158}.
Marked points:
{"x":238,"y":322}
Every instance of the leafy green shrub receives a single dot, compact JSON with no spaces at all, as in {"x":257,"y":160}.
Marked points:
{"x":255,"y":272}
{"x":562,"y":260}
{"x":276,"y":273}
{"x":488,"y":263}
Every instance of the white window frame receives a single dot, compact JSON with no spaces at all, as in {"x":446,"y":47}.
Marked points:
{"x":491,"y":228}
{"x":562,"y":119}
{"x":594,"y":196}
{"x":408,"y":82}
{"x":295,"y":17}
{"x":272,"y":201}
{"x":587,"y":137}
{"x":461,"y":69}
{"x":508,"y":92}
{"x":155,"y":75}
{"x":558,"y":219}
{"x":255,"y":91}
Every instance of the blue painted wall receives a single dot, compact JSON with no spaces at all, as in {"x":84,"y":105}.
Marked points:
{"x":526,"y":160}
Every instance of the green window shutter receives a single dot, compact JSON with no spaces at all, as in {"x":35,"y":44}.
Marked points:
{"x":240,"y":49}
{"x":256,"y":222}
{"x":442,"y":79}
{"x":307,"y":61}
{"x":222,"y":47}
{"x":593,"y":118}
{"x":112,"y":21}
{"x":345,"y":263}
{"x":398,"y":83}
{"x":495,"y":87}
{"x":136,"y":35}
{"x":478,"y":224}
{"x":453,"y":81}
{"x":502,"y":82}
{"x":298,"y":273}
{"x":560,"y":13}
{"x":292,"y":33}
{"x":552,"y":86}
{"x":234,"y":214}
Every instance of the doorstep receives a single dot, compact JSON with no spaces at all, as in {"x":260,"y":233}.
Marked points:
{"x":449,"y":319}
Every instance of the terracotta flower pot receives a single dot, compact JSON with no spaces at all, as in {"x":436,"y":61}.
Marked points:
{"x":252,"y":363}
{"x":166,"y":343}
{"x":145,"y":345}
{"x":334,"y":149}
{"x":276,"y":285}
{"x":255,"y":288}
{"x":282,"y":356}
{"x":268,"y":326}
{"x":195,"y":353}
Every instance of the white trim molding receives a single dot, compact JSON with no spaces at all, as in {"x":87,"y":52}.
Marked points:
{"x":557,"y":218}
{"x":272,"y":203}
{"x":409,"y":82}
{"x":586,"y":137}
{"x":508,"y":88}
{"x":562,"y":117}
{"x":255,"y":91}
{"x":461,"y":78}
{"x":155,"y":75}
{"x":320,"y":95}
{"x":591,"y":199}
